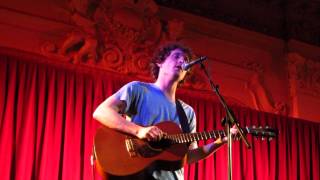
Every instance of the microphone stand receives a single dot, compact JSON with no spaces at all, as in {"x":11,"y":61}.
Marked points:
{"x":228,"y":121}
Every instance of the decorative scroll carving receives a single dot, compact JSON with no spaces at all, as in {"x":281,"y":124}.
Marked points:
{"x":304,"y":75}
{"x":117,"y":36}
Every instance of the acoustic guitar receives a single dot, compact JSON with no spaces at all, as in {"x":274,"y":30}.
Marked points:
{"x":122,"y":154}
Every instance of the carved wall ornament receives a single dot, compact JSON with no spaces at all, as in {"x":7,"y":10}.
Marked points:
{"x":253,"y":66}
{"x":118,"y":36}
{"x":303,"y":74}
{"x":112,"y":58}
{"x":262,"y":98}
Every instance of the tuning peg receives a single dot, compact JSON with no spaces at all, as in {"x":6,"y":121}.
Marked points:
{"x":260,"y":127}
{"x":267,"y":127}
{"x":253,"y":126}
{"x":262,"y":138}
{"x":270,"y":139}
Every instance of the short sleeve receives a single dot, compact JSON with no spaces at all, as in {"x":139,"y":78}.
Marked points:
{"x":192,"y":121}
{"x":127,"y":93}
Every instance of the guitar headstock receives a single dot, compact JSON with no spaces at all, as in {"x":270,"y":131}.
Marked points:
{"x":263,"y":132}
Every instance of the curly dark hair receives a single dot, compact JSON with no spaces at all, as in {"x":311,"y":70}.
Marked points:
{"x":163,"y":52}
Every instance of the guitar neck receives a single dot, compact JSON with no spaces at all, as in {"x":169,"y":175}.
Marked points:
{"x":190,"y":137}
{"x":265,"y":132}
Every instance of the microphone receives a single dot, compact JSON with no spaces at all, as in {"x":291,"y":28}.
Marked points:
{"x":186,"y":66}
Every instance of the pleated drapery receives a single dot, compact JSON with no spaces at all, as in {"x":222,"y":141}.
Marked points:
{"x":46,"y":128}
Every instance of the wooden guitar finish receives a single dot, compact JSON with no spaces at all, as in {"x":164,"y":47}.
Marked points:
{"x":121,"y":154}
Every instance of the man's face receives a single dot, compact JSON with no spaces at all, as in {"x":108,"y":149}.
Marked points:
{"x":172,"y":64}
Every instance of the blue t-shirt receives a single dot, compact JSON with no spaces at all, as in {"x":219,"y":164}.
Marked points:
{"x":147,"y":105}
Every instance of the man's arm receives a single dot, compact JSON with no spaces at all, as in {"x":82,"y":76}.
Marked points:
{"x":203,"y":152}
{"x":108,"y":114}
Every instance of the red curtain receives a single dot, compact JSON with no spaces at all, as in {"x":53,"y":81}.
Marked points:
{"x":46,"y":127}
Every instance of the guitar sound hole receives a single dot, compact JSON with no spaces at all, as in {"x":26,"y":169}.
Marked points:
{"x":154,"y":148}
{"x":162,"y":144}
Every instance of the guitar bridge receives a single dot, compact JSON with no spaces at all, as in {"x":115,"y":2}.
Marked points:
{"x":131,"y":148}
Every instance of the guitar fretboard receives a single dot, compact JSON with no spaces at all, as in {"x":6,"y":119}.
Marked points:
{"x":190,"y":137}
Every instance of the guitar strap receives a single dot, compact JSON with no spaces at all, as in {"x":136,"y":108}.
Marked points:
{"x":182,"y":117}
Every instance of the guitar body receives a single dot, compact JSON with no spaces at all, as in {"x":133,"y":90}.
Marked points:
{"x":122,"y":154}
